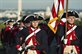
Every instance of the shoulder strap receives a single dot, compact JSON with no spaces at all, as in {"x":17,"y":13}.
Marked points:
{"x":30,"y":35}
{"x":68,"y":32}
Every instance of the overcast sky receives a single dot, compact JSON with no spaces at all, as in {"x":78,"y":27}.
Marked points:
{"x":37,"y":4}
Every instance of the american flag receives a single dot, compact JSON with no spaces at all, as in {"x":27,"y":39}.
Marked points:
{"x":57,"y":10}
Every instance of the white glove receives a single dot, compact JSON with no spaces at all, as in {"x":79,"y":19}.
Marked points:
{"x":20,"y":49}
{"x":63,"y":20}
{"x":65,"y":41}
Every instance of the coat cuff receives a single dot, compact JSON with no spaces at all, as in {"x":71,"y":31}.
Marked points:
{"x":62,"y":21}
{"x":19,"y":47}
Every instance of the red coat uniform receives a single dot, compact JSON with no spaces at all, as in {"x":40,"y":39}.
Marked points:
{"x":38,"y":38}
{"x":32,"y":42}
{"x":71,"y":36}
{"x":72,"y":40}
{"x":8,"y":40}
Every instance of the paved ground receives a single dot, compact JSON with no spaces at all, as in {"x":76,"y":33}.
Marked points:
{"x":1,"y":51}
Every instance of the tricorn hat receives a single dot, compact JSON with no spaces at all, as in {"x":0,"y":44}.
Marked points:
{"x":11,"y":20}
{"x":23,"y":18}
{"x":27,"y":19}
{"x":33,"y":17}
{"x":18,"y":22}
{"x":70,"y":13}
{"x":8,"y":21}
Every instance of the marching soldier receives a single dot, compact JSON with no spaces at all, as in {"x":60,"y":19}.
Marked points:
{"x":2,"y":31}
{"x":22,"y":33}
{"x":72,"y":40}
{"x":8,"y":38}
{"x":36,"y":41}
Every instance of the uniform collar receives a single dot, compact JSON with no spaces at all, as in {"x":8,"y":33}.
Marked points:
{"x":33,"y":29}
{"x":69,"y":26}
{"x":21,"y":28}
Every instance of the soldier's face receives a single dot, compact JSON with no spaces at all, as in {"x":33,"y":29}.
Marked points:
{"x":71,"y":19}
{"x":27,"y":24}
{"x":11,"y":23}
{"x":35,"y":23}
{"x":21,"y":24}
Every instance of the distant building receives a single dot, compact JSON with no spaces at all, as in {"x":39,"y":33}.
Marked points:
{"x":8,"y":14}
{"x":44,"y":14}
{"x":80,"y":14}
{"x":1,"y":15}
{"x":40,"y":13}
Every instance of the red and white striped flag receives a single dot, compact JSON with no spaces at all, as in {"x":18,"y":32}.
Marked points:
{"x":61,"y":8}
{"x":57,"y":9}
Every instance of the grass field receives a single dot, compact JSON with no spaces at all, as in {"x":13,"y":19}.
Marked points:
{"x":1,"y":26}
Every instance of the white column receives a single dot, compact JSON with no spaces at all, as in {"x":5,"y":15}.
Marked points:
{"x":19,"y":9}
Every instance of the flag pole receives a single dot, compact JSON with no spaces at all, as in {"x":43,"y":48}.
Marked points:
{"x":66,"y":21}
{"x":66,"y":16}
